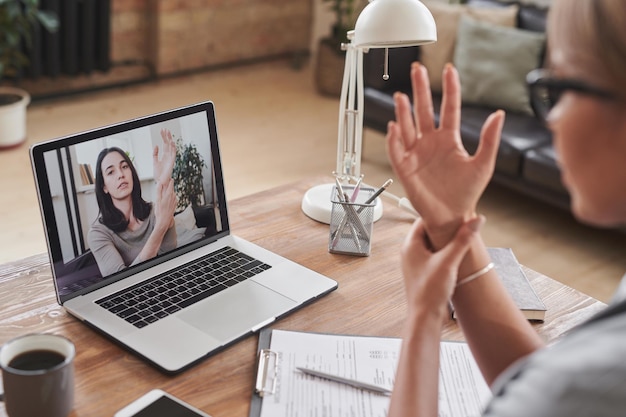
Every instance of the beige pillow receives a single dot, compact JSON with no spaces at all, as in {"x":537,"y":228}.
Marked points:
{"x":447,"y":16}
{"x":493,"y":62}
{"x":185,"y":220}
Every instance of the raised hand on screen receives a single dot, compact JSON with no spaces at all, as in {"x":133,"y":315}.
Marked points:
{"x":163,"y":162}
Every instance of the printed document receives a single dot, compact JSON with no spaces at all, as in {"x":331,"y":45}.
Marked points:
{"x":373,"y":360}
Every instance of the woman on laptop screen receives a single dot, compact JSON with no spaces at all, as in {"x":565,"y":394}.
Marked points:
{"x":130,"y":230}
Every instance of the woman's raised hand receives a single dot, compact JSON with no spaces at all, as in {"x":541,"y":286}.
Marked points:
{"x":164,"y":166}
{"x":442,"y":181}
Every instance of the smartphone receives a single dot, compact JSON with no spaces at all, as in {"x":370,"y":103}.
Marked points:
{"x":158,"y":403}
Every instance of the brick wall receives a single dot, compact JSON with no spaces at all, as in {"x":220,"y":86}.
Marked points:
{"x":130,"y":30}
{"x":192,"y":34}
{"x":167,"y":37}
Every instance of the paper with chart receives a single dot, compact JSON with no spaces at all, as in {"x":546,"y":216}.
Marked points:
{"x":373,"y":360}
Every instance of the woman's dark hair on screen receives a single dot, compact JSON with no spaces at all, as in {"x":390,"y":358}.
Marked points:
{"x":110,"y":216}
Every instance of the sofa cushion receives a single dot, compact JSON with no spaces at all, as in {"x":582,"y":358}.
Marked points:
{"x":493,"y":62}
{"x":520,"y":133}
{"x":185,"y":220}
{"x":447,"y":16}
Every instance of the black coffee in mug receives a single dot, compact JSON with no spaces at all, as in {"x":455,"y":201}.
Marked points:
{"x":38,"y":375}
{"x":34,"y":360}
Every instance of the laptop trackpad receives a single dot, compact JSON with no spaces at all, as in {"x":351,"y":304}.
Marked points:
{"x":233,"y":312}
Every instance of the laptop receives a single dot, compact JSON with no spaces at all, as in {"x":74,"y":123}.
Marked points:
{"x":203,"y":288}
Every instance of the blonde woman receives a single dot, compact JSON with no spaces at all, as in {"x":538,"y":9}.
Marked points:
{"x":444,"y":258}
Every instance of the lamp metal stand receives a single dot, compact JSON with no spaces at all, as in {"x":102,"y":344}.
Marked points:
{"x":316,"y":202}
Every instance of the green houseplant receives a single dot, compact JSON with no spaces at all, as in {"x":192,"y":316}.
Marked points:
{"x":187,"y":175}
{"x":18,"y":18}
{"x":330,"y":57}
{"x":344,"y":20}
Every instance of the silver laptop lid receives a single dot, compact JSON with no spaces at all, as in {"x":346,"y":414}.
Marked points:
{"x":74,"y":198}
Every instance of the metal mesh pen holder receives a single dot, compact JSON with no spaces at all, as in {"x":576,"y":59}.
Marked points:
{"x":351,"y":223}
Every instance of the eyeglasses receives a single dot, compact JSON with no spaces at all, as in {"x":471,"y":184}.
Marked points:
{"x":546,"y":90}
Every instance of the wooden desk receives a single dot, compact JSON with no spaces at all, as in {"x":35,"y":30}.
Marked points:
{"x":370,"y":301}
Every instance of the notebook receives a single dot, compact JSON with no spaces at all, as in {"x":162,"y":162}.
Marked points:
{"x":173,"y":285}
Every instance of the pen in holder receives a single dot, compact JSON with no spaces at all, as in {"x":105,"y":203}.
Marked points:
{"x":351,"y":221}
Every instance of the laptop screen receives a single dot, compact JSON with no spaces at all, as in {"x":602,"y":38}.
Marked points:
{"x":109,"y":207}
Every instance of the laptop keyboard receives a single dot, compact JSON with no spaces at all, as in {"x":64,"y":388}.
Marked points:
{"x":168,"y":293}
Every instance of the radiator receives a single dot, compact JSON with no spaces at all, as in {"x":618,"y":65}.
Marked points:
{"x":81,"y":45}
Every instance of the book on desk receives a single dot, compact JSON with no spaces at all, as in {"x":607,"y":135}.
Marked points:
{"x":516,"y":283}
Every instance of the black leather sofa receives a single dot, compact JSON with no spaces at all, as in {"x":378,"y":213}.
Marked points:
{"x":526,"y":160}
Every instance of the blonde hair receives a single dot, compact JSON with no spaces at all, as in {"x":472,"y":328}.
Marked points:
{"x":594,"y":32}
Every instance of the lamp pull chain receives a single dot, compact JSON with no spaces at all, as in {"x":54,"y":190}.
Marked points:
{"x":386,"y":65}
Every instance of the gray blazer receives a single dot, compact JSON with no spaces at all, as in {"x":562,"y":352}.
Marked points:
{"x":582,"y":375}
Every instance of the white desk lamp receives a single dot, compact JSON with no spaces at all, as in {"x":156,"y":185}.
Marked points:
{"x":381,"y":24}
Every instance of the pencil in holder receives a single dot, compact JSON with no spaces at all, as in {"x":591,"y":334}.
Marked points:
{"x":351,"y":222}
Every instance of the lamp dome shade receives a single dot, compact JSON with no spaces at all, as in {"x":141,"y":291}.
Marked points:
{"x":394,"y":23}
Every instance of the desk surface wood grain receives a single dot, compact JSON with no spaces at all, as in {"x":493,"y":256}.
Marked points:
{"x":369,"y":301}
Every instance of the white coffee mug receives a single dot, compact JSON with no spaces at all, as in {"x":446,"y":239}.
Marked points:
{"x":38,"y":375}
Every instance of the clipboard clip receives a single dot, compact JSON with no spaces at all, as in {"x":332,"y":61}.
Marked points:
{"x":267,"y":373}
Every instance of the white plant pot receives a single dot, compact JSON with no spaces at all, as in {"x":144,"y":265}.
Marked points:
{"x":13,"y":118}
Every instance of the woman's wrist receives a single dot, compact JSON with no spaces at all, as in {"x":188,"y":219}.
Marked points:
{"x":422,"y":313}
{"x":161,"y":227}
{"x":441,"y":232}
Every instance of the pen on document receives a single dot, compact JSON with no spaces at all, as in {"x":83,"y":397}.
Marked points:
{"x":347,"y":381}
{"x":377,"y":193}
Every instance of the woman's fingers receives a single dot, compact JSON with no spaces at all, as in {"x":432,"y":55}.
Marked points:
{"x":395,"y":148}
{"x":490,"y":139}
{"x":430,"y":275}
{"x":422,"y":100}
{"x":405,"y":121}
{"x":155,"y":155}
{"x":420,"y":118}
{"x":166,"y":135}
{"x":170,"y":145}
{"x":416,"y":243}
{"x":419,"y":121}
{"x":451,"y":100}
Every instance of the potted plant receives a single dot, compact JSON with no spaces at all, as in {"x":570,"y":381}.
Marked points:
{"x":187,"y":175}
{"x":18,"y":19}
{"x":330,"y":56}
